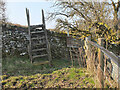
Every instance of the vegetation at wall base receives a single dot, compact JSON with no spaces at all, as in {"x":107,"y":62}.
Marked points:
{"x":20,"y":73}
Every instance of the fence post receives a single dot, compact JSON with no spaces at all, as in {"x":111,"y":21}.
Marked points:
{"x":1,"y":34}
{"x":101,"y":64}
{"x":87,"y":45}
{"x":119,"y":56}
{"x":118,"y":72}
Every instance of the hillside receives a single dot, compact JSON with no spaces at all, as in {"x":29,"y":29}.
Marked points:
{"x":20,"y":73}
{"x":63,"y":78}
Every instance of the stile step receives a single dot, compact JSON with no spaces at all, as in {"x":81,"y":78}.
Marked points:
{"x":35,"y":32}
{"x":38,"y":38}
{"x":39,"y":56}
{"x":39,"y":49}
{"x":36,"y":26}
{"x":32,"y":30}
{"x":39,"y":44}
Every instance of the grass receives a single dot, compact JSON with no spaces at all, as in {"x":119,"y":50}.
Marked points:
{"x":62,"y":78}
{"x":22,"y":66}
{"x":20,"y":73}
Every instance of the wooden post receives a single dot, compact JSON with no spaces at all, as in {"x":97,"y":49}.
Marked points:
{"x":88,"y":47}
{"x":78,"y":57}
{"x":101,"y":64}
{"x":1,"y":33}
{"x":118,"y":37}
{"x":71,"y":56}
{"x":48,"y":44}
{"x":119,"y":72}
{"x":29,"y":47}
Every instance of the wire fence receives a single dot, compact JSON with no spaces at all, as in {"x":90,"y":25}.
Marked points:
{"x":103,"y":64}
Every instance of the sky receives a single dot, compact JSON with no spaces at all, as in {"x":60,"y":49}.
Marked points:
{"x":16,"y":11}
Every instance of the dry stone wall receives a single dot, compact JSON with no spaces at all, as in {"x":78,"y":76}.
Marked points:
{"x":15,"y":42}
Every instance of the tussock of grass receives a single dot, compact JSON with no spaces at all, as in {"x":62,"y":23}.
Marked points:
{"x":63,"y":78}
{"x":20,"y":73}
{"x":22,"y":66}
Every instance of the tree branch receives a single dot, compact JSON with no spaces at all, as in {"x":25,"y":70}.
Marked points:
{"x":113,"y":4}
{"x":118,"y":6}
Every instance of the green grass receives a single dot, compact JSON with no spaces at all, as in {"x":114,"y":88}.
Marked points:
{"x":22,"y":66}
{"x":63,"y":78}
{"x":20,"y":73}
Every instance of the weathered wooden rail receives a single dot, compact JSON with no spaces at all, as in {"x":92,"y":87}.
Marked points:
{"x":101,"y":67}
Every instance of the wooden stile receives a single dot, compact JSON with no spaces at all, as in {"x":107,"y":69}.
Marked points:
{"x":38,"y":38}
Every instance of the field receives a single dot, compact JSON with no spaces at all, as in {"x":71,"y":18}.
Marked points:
{"x":20,"y":73}
{"x":71,"y":45}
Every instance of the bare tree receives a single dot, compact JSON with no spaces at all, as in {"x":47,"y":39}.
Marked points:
{"x":84,"y":18}
{"x":2,"y":12}
{"x":116,"y":7}
{"x":80,"y":15}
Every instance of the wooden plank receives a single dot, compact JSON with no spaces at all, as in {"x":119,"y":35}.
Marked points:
{"x":119,"y":72}
{"x":32,"y":30}
{"x":38,"y":44}
{"x":71,"y":57}
{"x":36,"y":26}
{"x":39,"y":49}
{"x":38,"y":38}
{"x":37,"y":56}
{"x":109,"y":54}
{"x":78,"y":56}
{"x":88,"y":53}
{"x":28,"y":20}
{"x":118,"y":35}
{"x":35,"y":32}
{"x":47,"y":42}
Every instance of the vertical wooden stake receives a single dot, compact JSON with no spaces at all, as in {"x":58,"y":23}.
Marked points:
{"x":71,"y":56}
{"x":48,"y":44}
{"x":29,"y":47}
{"x":101,"y":64}
{"x":118,"y":37}
{"x":79,"y":55}
{"x":87,"y":45}
{"x":119,"y":72}
{"x":1,"y":48}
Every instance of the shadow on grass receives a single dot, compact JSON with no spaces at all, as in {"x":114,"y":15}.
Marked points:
{"x":15,"y":66}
